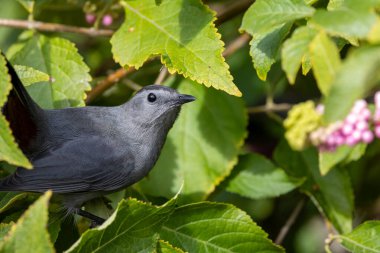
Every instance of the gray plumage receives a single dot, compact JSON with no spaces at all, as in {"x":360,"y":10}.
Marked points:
{"x":81,"y":153}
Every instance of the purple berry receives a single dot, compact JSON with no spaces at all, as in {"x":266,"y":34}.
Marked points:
{"x":361,"y":125}
{"x":367,"y":136}
{"x":90,"y":18}
{"x":351,"y":118}
{"x":347,"y":129}
{"x":377,"y":131}
{"x":107,"y":20}
{"x":377,"y":99}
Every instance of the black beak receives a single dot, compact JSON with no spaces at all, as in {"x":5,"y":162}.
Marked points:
{"x":183,"y":98}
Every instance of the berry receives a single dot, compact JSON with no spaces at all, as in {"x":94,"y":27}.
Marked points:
{"x":90,"y":18}
{"x":107,"y":20}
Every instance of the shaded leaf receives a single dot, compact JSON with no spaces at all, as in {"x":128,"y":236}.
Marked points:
{"x":363,"y":239}
{"x":357,"y":76}
{"x":295,"y":49}
{"x":30,"y":75}
{"x":58,"y":57}
{"x":30,"y":230}
{"x":257,"y":177}
{"x":332,"y":194}
{"x":265,"y":47}
{"x":186,"y":39}
{"x":325,"y":60}
{"x":9,"y":150}
{"x":215,"y":227}
{"x":133,"y":227}
{"x":8,"y":199}
{"x":4,"y":229}
{"x":202,"y":147}
{"x":266,"y":15}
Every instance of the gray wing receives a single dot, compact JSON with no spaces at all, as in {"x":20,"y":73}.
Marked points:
{"x":80,"y":165}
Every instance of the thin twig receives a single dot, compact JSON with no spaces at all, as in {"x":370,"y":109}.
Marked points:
{"x":161,"y":77}
{"x":52,"y":27}
{"x":108,"y":82}
{"x":289,"y":223}
{"x":231,"y":10}
{"x":236,"y":44}
{"x":132,"y":85}
{"x":270,"y":108}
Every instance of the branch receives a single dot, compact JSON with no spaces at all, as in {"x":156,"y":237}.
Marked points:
{"x":270,"y":108}
{"x":289,"y":223}
{"x":236,"y":44}
{"x":107,"y":83}
{"x":161,"y":77}
{"x":234,"y":8}
{"x":51,"y":27}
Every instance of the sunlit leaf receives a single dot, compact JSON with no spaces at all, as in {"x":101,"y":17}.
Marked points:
{"x":182,"y":32}
{"x":30,"y":75}
{"x":29,"y":233}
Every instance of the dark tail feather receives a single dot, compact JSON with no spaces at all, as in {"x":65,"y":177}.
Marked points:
{"x":22,"y":113}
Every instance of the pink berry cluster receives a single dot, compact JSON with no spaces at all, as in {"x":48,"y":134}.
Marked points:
{"x":376,"y":117}
{"x":354,"y":129}
{"x":106,"y":20}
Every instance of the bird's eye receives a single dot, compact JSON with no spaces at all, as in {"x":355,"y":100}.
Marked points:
{"x":151,"y":97}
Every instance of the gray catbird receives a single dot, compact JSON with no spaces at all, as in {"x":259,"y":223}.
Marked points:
{"x":83,"y":153}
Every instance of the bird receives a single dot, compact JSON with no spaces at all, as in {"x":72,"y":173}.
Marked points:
{"x":81,"y":153}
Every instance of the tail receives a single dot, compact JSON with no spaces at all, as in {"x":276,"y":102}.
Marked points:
{"x":22,"y":113}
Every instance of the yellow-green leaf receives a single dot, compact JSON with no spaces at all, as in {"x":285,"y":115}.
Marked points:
{"x":30,"y":75}
{"x":325,"y":61}
{"x":182,"y":32}
{"x":30,"y":233}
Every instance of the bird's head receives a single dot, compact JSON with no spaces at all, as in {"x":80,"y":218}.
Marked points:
{"x":157,"y":104}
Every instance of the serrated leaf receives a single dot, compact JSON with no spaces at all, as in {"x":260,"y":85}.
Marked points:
{"x":58,"y":57}
{"x":257,"y":177}
{"x":332,"y":194}
{"x":30,"y":230}
{"x":327,"y":160}
{"x":357,"y":76}
{"x":265,"y":47}
{"x":363,"y":239}
{"x":215,"y":227}
{"x":294,"y":50}
{"x":9,"y":150}
{"x":4,"y":229}
{"x":265,"y":15}
{"x":334,"y":4}
{"x":186,"y":39}
{"x":165,"y":247}
{"x":8,"y":199}
{"x":348,"y":21}
{"x":30,"y":75}
{"x":202,"y":147}
{"x":133,"y":227}
{"x":325,"y":60}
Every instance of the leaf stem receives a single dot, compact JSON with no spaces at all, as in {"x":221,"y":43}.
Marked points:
{"x":162,"y":75}
{"x":52,"y":27}
{"x":270,"y":107}
{"x":289,"y":223}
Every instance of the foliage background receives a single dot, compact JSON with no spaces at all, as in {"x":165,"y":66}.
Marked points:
{"x":223,"y":148}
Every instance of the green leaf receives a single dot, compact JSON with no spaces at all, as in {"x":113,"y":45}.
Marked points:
{"x":165,"y":247}
{"x":257,"y":177}
{"x":30,"y":232}
{"x":133,"y":227}
{"x":215,"y":227}
{"x":30,"y":75}
{"x":203,"y":146}
{"x":186,"y":39}
{"x":8,"y":199}
{"x":363,"y":239}
{"x":4,"y":229}
{"x":266,"y":15}
{"x":348,"y":21}
{"x":265,"y":47}
{"x":325,"y":60}
{"x":9,"y":150}
{"x":58,"y":57}
{"x":327,"y":160}
{"x":332,"y":194}
{"x":295,"y":49}
{"x":357,"y":76}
